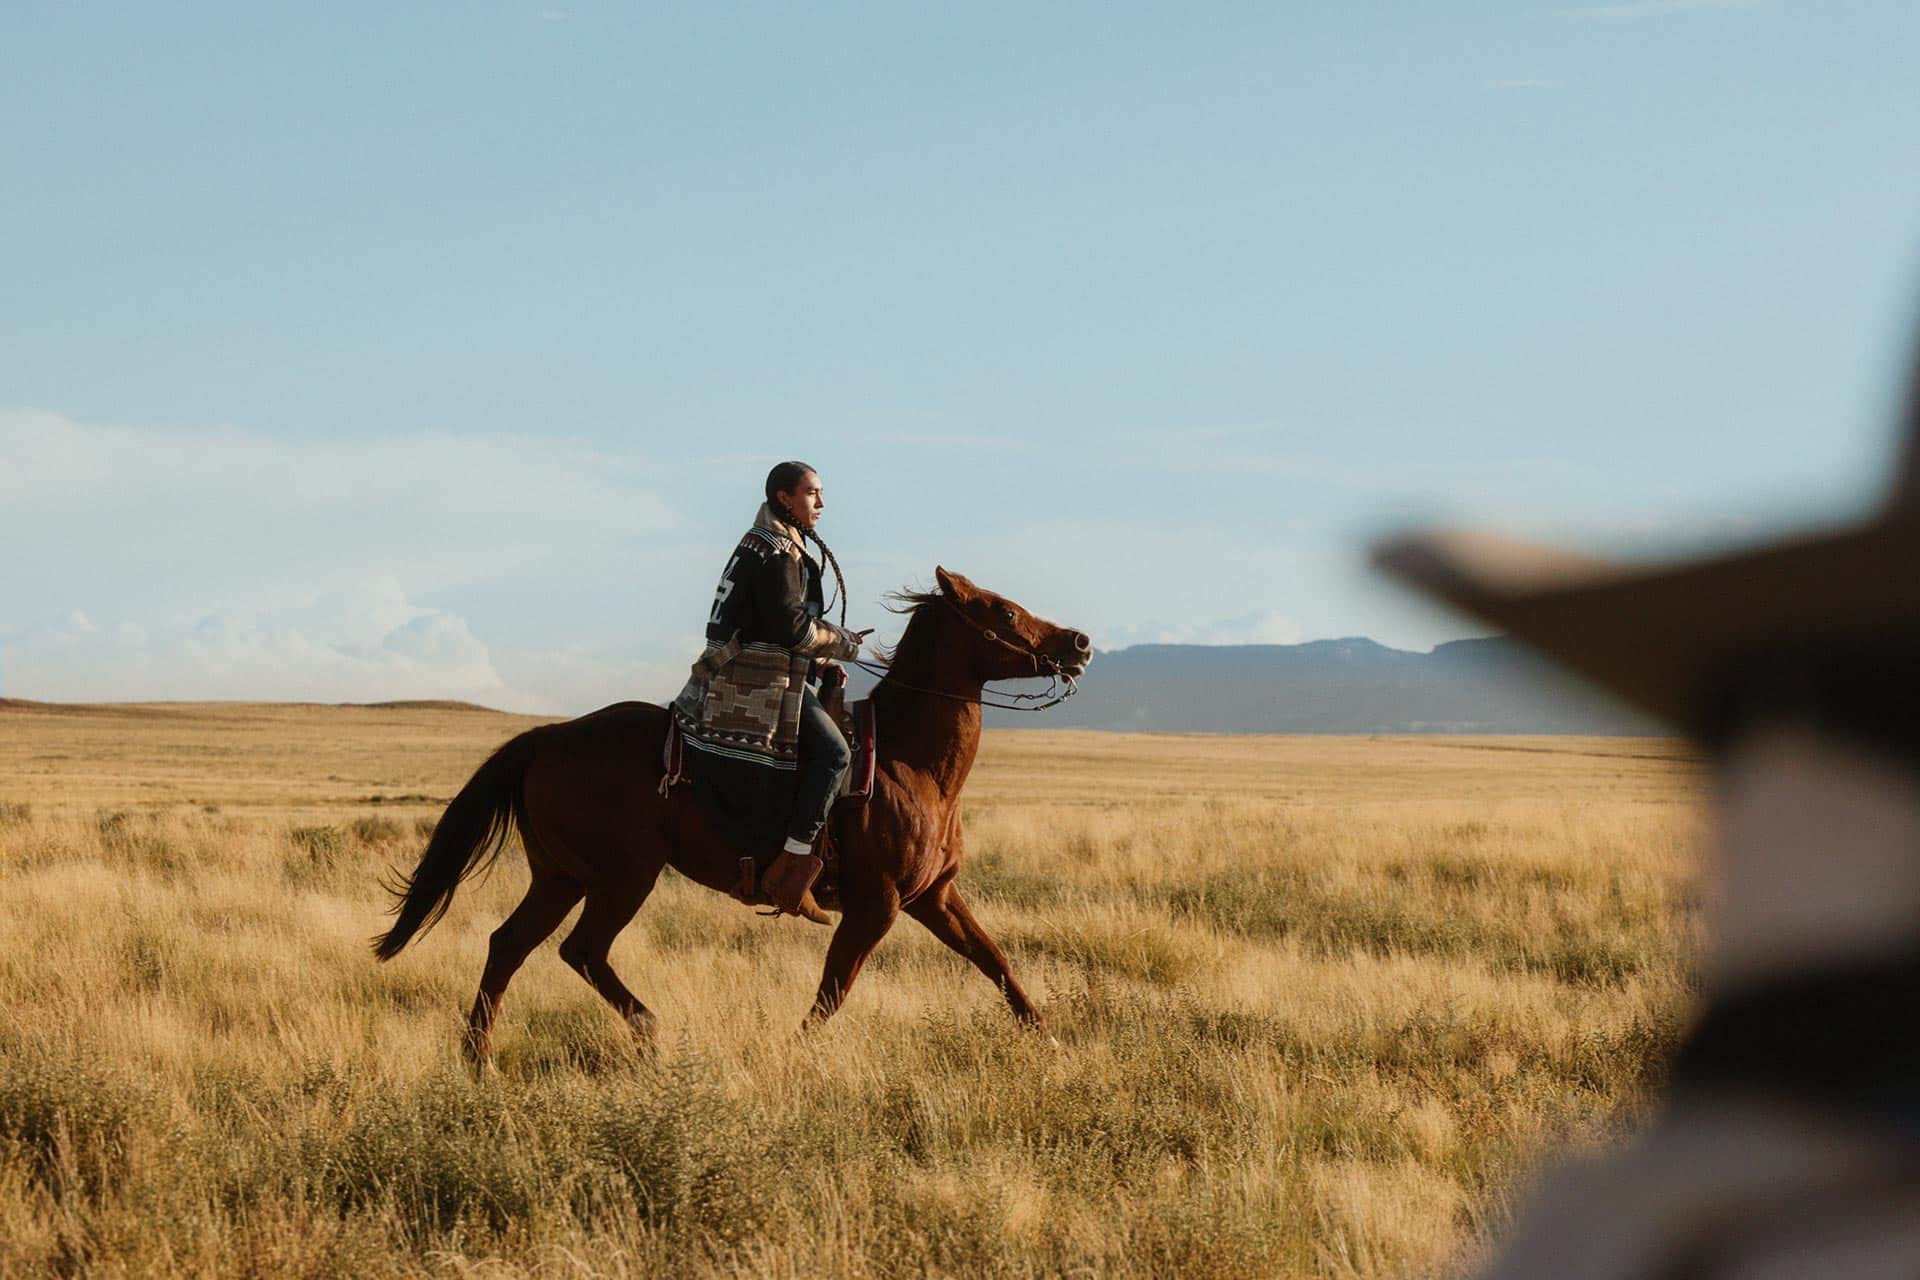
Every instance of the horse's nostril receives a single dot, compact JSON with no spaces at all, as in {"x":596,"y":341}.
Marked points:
{"x":1081,"y":642}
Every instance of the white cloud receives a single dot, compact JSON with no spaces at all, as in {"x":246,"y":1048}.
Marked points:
{"x":1263,"y":626}
{"x":152,"y":563}
{"x":365,"y":645}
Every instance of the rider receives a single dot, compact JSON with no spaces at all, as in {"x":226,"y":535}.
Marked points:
{"x":770,"y":595}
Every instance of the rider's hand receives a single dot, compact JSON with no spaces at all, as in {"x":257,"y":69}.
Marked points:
{"x":848,"y":642}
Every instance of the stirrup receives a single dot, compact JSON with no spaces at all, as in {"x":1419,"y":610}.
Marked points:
{"x":747,"y":888}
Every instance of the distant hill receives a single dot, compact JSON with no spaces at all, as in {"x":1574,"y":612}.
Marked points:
{"x":1329,"y":686}
{"x":170,"y":708}
{"x":424,"y":704}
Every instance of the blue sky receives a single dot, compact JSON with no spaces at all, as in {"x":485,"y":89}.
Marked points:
{"x":365,"y":351}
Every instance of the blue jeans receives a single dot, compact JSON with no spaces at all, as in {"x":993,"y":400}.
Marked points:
{"x":824,"y":760}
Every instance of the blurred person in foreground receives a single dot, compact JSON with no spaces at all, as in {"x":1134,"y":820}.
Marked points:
{"x":1788,"y":1143}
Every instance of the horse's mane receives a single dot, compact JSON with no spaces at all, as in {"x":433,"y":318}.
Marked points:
{"x":904,"y":601}
{"x":910,"y":604}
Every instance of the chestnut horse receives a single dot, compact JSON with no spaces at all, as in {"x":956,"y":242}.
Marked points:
{"x":585,"y":797}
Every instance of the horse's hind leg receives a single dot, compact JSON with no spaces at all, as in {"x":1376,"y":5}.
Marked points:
{"x":585,"y":950}
{"x":549,"y":898}
{"x":946,"y":917}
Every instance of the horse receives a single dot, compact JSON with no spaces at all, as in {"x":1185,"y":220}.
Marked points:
{"x":586,"y":800}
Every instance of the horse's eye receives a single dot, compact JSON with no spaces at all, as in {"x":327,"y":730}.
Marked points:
{"x":1011,"y":615}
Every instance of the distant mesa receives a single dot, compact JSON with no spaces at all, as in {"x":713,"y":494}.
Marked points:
{"x":1349,"y":685}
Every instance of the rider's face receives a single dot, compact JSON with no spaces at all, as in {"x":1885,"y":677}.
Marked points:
{"x":805,"y":501}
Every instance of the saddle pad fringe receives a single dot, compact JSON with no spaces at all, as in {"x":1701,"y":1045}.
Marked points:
{"x":673,"y":758}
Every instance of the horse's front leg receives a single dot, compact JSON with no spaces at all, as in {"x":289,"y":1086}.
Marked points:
{"x":947,"y":918}
{"x":862,"y":925}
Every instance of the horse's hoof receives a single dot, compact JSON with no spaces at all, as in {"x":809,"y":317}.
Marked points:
{"x":1039,"y":1028}
{"x":645,"y":1029}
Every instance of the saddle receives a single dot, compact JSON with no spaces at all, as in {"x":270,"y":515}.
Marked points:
{"x":855,"y":721}
{"x":857,"y":724}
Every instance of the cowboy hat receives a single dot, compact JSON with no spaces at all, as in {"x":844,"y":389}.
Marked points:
{"x":1662,"y":636}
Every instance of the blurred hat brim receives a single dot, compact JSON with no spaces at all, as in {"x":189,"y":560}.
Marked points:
{"x":1661,"y":637}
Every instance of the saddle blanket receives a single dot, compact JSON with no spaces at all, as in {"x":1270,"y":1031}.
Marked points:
{"x":856,"y":722}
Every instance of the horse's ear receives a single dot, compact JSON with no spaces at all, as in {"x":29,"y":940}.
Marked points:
{"x":952,"y":584}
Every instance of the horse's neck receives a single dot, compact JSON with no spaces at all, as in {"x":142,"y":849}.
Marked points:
{"x":934,"y":735}
{"x":936,"y":738}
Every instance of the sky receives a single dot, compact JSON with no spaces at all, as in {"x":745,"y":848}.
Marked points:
{"x":368,"y":351}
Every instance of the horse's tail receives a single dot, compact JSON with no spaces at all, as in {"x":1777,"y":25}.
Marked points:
{"x":469,"y":837}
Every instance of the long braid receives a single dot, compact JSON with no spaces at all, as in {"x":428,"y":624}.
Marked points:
{"x":839,"y":579}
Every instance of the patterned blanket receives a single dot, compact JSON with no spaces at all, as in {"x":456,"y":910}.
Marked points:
{"x":743,"y":702}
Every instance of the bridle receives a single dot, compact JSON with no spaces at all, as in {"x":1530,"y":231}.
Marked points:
{"x":1043,"y":665}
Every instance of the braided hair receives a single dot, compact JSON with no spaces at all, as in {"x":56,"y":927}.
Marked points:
{"x":781,"y":480}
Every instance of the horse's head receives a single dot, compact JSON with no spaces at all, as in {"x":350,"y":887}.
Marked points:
{"x":1009,"y":643}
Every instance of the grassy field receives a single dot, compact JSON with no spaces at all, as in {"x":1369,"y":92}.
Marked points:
{"x":1324,"y":1002}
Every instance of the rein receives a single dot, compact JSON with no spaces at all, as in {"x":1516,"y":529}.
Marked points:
{"x":1042,"y":665}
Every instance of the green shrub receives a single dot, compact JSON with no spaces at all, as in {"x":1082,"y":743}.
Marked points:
{"x":66,"y":1118}
{"x":325,"y":846}
{"x":375,"y":831}
{"x":129,"y":839}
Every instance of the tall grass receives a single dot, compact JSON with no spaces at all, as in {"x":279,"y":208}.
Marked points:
{"x":1316,"y":1033}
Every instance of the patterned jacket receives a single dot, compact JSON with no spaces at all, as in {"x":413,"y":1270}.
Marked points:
{"x":763,"y":636}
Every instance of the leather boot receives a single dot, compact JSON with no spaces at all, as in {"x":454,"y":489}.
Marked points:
{"x":811,"y":910}
{"x":788,"y":881}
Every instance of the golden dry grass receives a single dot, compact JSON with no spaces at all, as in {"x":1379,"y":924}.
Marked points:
{"x":1324,"y":1001}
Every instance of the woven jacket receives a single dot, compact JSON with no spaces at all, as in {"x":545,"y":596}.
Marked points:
{"x":769,"y":593}
{"x":763,"y":635}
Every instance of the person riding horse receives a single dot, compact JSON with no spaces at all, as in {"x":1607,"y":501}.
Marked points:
{"x":762,"y":745}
